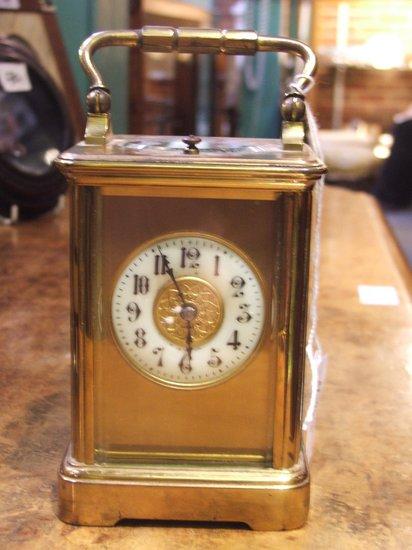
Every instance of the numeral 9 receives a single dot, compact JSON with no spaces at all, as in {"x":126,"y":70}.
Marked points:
{"x":134,"y":310}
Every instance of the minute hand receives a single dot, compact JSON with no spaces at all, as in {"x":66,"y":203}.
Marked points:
{"x":169,"y":271}
{"x":189,"y":338}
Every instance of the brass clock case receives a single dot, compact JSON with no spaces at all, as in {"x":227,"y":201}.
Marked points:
{"x":231,"y":451}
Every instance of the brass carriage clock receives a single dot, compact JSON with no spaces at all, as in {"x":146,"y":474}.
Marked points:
{"x":189,"y":278}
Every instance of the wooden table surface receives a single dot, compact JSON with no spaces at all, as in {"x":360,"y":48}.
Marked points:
{"x":361,"y":467}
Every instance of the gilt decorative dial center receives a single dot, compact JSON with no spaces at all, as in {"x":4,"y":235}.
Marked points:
{"x":188,"y":310}
{"x":202,"y":308}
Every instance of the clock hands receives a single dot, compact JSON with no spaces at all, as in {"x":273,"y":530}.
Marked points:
{"x":169,"y":271}
{"x":188,"y":313}
{"x":189,"y":345}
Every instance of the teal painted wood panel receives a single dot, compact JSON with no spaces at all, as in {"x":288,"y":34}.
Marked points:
{"x":114,"y":62}
{"x":78,"y":20}
{"x":259,"y":108}
{"x":76,"y":23}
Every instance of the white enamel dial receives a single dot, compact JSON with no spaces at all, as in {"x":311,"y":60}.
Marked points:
{"x":188,"y":310}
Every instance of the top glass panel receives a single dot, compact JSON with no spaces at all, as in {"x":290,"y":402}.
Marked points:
{"x":210,"y":147}
{"x":139,"y":149}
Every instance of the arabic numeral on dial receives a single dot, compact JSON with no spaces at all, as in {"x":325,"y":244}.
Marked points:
{"x":217,"y":262}
{"x":159,"y":353}
{"x":245,"y":316}
{"x":189,"y":257}
{"x":134,"y":311}
{"x":140,"y":342}
{"x":234,"y":342}
{"x":141,"y":284}
{"x":160,"y":264}
{"x":214,"y":360}
{"x":238,"y":283}
{"x":183,"y":258}
{"x":193,"y":253}
{"x":184,"y":363}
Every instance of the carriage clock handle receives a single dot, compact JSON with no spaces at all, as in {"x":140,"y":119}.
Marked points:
{"x":195,"y":41}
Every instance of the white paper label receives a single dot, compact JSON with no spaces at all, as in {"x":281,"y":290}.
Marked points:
{"x":375,"y":295}
{"x":9,"y":4}
{"x":14,"y":77}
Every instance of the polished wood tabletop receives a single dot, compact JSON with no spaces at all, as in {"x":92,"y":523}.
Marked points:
{"x":361,"y":466}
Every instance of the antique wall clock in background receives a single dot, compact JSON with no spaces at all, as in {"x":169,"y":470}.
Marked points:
{"x":35,"y":127}
{"x":189,"y":276}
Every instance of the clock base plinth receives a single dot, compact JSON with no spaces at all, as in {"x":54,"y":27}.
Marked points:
{"x":264,"y":499}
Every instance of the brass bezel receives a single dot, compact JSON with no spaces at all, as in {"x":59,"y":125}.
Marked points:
{"x":230,"y":374}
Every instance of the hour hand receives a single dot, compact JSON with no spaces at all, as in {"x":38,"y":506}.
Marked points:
{"x":189,"y":340}
{"x":184,"y":364}
{"x":188,"y":313}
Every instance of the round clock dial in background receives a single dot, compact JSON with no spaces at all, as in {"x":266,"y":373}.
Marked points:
{"x":188,"y":310}
{"x":34,"y":127}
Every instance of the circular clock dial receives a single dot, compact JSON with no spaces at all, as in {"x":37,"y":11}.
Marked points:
{"x":188,"y":310}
